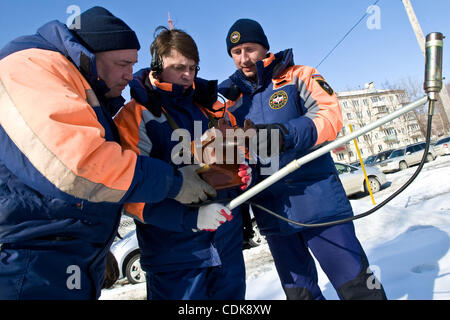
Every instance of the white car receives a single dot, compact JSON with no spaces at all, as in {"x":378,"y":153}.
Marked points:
{"x":442,"y":147}
{"x":402,"y":158}
{"x":127,"y":254}
{"x":354,"y":181}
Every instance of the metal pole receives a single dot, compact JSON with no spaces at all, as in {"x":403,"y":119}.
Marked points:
{"x":296,"y":164}
{"x":443,"y":94}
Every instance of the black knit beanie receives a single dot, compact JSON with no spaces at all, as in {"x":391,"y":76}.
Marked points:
{"x":99,"y":30}
{"x":246,"y":30}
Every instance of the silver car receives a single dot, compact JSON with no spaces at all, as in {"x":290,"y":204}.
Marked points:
{"x":442,"y":146}
{"x":354,"y":181}
{"x":127,"y":254}
{"x":402,"y":158}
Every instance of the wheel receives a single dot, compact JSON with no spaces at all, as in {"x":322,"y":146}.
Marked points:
{"x":133,"y":270}
{"x":375,"y":185}
{"x":430,"y":157}
{"x":257,"y":238}
{"x":403,"y":165}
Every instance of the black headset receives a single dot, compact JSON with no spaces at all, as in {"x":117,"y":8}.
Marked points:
{"x":156,"y":64}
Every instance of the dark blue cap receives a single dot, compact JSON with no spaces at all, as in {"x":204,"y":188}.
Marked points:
{"x":246,"y":30}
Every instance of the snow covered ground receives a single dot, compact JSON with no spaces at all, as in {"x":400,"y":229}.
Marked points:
{"x":407,"y":243}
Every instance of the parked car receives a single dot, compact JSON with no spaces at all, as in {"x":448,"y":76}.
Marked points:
{"x":354,"y":181}
{"x":127,"y":254}
{"x":376,"y":158}
{"x":442,"y":146}
{"x":404,"y":157}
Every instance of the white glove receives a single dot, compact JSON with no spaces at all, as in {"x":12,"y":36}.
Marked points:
{"x":193,"y":188}
{"x":211,"y":216}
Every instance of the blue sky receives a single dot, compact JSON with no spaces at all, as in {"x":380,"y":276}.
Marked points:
{"x":311,"y":28}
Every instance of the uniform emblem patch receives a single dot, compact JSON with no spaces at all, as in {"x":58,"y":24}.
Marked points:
{"x":321,"y":81}
{"x":278,"y":100}
{"x":325,"y":86}
{"x":235,"y":37}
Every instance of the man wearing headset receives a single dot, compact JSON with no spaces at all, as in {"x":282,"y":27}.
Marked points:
{"x":294,"y":109}
{"x":187,"y":252}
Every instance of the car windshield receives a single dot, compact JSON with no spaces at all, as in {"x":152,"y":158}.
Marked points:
{"x":397,"y":153}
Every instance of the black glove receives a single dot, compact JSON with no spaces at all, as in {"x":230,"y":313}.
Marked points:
{"x":263,"y":139}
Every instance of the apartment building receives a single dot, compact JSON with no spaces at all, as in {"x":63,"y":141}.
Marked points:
{"x":361,"y":107}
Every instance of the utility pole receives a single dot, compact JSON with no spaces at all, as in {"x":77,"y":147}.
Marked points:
{"x":445,"y":99}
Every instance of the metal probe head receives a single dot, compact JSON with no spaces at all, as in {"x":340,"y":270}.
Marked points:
{"x":433,"y":64}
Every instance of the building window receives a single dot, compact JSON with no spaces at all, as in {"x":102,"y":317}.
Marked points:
{"x":345,"y":104}
{"x":355,"y":103}
{"x":340,"y":156}
{"x":365,"y":102}
{"x":349,"y":116}
{"x":380,"y":147}
{"x":374,"y":99}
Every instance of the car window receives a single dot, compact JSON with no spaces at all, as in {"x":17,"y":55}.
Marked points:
{"x":370,"y":160}
{"x":410,"y":149}
{"x":397,"y":153}
{"x":420,"y":147}
{"x":443,"y":140}
{"x":383,"y":156}
{"x":340,"y":168}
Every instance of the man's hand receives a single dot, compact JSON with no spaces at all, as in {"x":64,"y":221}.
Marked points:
{"x":268,"y":140}
{"x":211,"y":216}
{"x":193,"y":189}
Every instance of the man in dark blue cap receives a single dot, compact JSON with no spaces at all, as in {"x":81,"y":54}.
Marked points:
{"x":63,"y":175}
{"x":294,"y":110}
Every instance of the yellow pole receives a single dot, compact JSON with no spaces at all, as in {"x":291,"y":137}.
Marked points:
{"x":363,"y":167}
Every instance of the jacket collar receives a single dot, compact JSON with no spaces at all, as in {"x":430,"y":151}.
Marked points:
{"x":267,"y":69}
{"x":148,"y":91}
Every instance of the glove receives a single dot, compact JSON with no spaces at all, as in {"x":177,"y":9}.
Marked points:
{"x":211,"y":216}
{"x":193,"y":189}
{"x":245,"y":172}
{"x":263,"y":139}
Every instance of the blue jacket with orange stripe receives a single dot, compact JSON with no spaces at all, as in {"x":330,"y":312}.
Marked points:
{"x":167,"y":240}
{"x":297,"y":97}
{"x":63,"y":176}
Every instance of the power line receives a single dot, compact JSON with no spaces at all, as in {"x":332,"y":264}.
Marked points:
{"x":345,"y":36}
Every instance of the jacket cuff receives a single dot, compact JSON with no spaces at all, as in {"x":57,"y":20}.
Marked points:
{"x":190,"y":219}
{"x":177,"y":182}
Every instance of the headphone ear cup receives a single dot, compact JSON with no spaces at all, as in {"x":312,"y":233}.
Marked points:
{"x":156,"y":64}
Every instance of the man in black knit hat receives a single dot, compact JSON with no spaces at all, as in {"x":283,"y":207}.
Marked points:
{"x":63,"y":174}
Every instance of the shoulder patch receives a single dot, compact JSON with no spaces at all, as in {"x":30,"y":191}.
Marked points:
{"x":324,"y":85}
